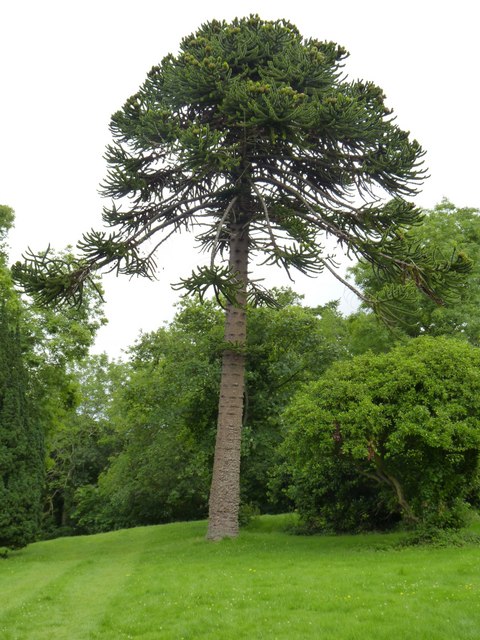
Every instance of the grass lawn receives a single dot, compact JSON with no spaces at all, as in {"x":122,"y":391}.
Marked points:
{"x":168,"y":582}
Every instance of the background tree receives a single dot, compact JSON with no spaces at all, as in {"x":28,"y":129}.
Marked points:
{"x":446,"y":229}
{"x":82,"y":440}
{"x":40,"y":348}
{"x":367,"y":332}
{"x":21,"y":437}
{"x":251,"y":135}
{"x":55,"y":345}
{"x":286,"y":347}
{"x":165,"y":413}
{"x":384,"y":436}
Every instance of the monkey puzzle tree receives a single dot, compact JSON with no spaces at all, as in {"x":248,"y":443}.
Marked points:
{"x":252,"y":136}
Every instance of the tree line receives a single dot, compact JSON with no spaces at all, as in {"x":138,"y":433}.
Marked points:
{"x":38,"y":347}
{"x":355,"y":424}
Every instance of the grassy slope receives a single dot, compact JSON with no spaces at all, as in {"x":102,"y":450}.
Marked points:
{"x":167,"y":582}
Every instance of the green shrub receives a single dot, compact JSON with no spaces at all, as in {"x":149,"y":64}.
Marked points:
{"x":384,"y":437}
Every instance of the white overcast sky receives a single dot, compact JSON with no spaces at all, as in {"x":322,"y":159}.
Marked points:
{"x":66,"y":66}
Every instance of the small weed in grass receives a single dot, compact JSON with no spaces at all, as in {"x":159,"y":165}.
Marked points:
{"x":440,"y":538}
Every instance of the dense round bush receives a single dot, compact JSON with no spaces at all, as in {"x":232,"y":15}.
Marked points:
{"x":384,"y":437}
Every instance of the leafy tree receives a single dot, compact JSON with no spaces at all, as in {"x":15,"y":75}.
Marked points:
{"x":252,"y":136}
{"x":82,"y":442}
{"x":21,"y":444}
{"x":366,"y":332}
{"x":446,"y":229}
{"x":55,"y":345}
{"x":286,"y":347}
{"x":40,"y":348}
{"x":21,"y":438}
{"x":162,"y":420}
{"x":165,"y":415}
{"x":389,"y":435}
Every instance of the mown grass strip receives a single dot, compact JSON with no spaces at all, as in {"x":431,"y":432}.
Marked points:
{"x":168,"y":582}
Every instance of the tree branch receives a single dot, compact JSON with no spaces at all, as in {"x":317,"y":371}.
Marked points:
{"x":219,"y":230}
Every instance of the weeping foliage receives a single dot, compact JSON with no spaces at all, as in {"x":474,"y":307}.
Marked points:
{"x":21,"y":445}
{"x":21,"y":437}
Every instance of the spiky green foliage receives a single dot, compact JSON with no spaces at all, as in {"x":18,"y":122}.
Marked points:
{"x":251,"y":119}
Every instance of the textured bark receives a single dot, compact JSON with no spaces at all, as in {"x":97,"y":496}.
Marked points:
{"x":225,"y":488}
{"x":397,"y":487}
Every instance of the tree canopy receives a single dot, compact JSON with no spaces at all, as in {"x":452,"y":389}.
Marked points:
{"x":446,"y":229}
{"x":163,"y":415}
{"x":380,"y":436}
{"x":250,"y":108}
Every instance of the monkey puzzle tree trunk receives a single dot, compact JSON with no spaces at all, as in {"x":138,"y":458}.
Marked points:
{"x":225,"y":488}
